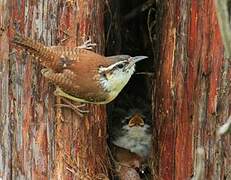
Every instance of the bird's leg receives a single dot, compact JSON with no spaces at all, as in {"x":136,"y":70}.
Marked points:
{"x":59,"y":92}
{"x":87,"y":45}
{"x":74,"y":107}
{"x":69,"y":104}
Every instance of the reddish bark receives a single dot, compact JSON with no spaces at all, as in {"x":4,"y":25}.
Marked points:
{"x":192,"y":91}
{"x":37,"y":141}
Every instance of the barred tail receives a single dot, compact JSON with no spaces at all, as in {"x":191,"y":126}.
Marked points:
{"x":48,"y":58}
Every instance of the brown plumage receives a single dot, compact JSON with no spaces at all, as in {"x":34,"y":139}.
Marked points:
{"x":127,"y":163}
{"x":80,"y":74}
{"x":67,"y":68}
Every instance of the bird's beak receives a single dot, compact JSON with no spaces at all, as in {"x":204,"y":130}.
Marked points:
{"x":134,"y":60}
{"x":137,"y":58}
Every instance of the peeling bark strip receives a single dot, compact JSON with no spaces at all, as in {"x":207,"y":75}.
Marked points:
{"x":223,"y":19}
{"x":36,"y":142}
{"x":192,"y":92}
{"x":32,"y":108}
{"x":5,"y":121}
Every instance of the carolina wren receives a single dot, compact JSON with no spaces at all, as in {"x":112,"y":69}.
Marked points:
{"x":82,"y":75}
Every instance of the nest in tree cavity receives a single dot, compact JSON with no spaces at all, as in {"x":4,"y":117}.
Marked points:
{"x":133,"y":27}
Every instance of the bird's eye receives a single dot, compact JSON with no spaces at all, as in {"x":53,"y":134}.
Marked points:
{"x":104,"y":75}
{"x":120,"y":66}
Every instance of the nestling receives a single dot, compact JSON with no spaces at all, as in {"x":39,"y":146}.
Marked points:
{"x":130,"y":124}
{"x":80,"y":74}
{"x":132,"y":132}
{"x":135,"y":136}
{"x":127,"y":164}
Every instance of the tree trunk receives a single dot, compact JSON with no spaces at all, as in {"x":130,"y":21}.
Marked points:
{"x":38,"y":139}
{"x":192,"y":97}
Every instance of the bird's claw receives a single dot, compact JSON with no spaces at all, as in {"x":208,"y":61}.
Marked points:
{"x":87,"y":45}
{"x":75,"y":108}
{"x":69,"y":104}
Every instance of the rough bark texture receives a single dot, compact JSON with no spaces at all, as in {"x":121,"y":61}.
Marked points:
{"x":38,"y":140}
{"x":192,"y":95}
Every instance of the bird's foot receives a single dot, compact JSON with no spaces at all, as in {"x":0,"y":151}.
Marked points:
{"x":87,"y":45}
{"x":65,"y":97}
{"x":76,"y":108}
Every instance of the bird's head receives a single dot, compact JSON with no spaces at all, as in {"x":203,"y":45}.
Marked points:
{"x":115,"y":76}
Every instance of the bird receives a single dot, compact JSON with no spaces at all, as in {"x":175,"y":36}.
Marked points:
{"x":130,"y":124}
{"x":132,"y":143}
{"x":136,"y":135}
{"x":126,"y":163}
{"x":81,"y":75}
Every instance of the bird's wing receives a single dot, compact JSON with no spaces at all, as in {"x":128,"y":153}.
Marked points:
{"x":71,"y":53}
{"x":64,"y":80}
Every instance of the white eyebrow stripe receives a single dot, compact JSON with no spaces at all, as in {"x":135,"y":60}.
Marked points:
{"x":102,"y":69}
